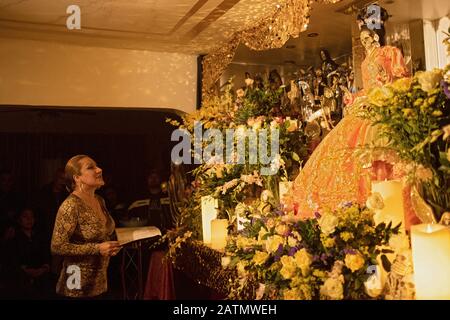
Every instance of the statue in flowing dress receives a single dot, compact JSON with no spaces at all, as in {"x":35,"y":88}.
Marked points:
{"x":335,"y":172}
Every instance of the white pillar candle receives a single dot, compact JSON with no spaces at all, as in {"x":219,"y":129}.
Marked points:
{"x":392,"y":193}
{"x":219,"y":233}
{"x":431,"y":258}
{"x":209,"y":212}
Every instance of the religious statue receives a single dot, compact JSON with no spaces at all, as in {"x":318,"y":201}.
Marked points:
{"x":335,"y":172}
{"x":176,"y":189}
{"x":328,"y":65}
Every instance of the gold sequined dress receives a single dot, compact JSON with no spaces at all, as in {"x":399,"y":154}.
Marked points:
{"x":78,"y":229}
{"x":334,"y":173}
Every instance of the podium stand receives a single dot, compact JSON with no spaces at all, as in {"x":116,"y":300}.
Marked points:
{"x":131,"y":271}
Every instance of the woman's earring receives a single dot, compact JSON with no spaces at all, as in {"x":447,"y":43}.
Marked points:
{"x":81,"y":187}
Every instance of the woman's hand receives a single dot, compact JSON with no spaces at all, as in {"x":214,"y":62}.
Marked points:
{"x":109,"y":248}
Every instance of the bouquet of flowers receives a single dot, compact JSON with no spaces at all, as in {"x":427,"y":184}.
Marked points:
{"x":327,"y":257}
{"x":414,"y":117}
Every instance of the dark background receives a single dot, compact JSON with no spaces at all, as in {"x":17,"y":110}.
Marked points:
{"x":126,"y":144}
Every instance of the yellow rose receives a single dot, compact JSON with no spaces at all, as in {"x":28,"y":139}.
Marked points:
{"x":282,"y":229}
{"x":333,"y":289}
{"x":378,"y":96}
{"x":260,"y":257}
{"x":240,"y":93}
{"x":262,"y":232}
{"x":219,"y":172}
{"x":288,"y":267}
{"x":291,"y":294}
{"x":402,"y":84}
{"x":273,"y":242}
{"x":328,"y":223}
{"x":354,"y":261}
{"x":346,"y":236}
{"x":328,"y":242}
{"x":446,"y":131}
{"x":292,"y":242}
{"x":429,"y":80}
{"x":293,"y":125}
{"x":303,"y":260}
{"x":297,"y":235}
{"x":270,"y":223}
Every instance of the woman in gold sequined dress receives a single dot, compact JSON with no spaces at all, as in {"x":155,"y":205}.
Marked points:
{"x":82,"y":233}
{"x":335,"y":172}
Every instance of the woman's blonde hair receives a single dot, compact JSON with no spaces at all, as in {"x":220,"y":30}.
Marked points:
{"x":73,"y":168}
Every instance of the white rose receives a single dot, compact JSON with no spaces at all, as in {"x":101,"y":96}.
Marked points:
{"x":429,"y":80}
{"x":260,"y":292}
{"x":226,"y":261}
{"x":375,"y":201}
{"x":399,"y":242}
{"x":240,"y":93}
{"x":328,"y":223}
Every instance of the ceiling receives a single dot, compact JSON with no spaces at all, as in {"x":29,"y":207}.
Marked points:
{"x":194,"y":26}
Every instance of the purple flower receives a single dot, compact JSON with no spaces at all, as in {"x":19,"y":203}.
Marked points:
{"x":316,"y":257}
{"x":292,"y":251}
{"x":346,"y":204}
{"x":445,"y":87}
{"x":280,"y":249}
{"x":349,"y":251}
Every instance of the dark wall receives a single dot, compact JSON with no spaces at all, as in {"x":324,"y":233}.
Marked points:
{"x":125,"y":143}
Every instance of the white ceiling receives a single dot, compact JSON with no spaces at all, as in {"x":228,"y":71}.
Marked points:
{"x":193,"y":26}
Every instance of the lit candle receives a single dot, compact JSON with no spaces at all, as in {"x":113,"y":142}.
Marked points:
{"x":431,"y":258}
{"x":392,"y":193}
{"x":219,"y":233}
{"x":209,"y":212}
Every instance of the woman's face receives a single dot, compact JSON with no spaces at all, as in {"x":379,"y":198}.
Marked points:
{"x":368,"y":40}
{"x":91,"y":174}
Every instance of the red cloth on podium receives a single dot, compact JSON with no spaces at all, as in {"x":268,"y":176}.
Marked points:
{"x":160,"y":281}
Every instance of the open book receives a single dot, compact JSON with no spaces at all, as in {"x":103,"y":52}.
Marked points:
{"x":127,"y":235}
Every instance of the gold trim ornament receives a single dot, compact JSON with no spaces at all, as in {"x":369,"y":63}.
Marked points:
{"x":289,"y":19}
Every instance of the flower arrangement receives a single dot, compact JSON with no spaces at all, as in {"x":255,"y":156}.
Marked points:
{"x":322,"y":258}
{"x":258,"y":106}
{"x":414,"y":118}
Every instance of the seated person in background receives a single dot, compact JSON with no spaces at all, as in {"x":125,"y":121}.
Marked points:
{"x":48,"y":200}
{"x":154,"y":208}
{"x":117,"y":208}
{"x":28,"y":259}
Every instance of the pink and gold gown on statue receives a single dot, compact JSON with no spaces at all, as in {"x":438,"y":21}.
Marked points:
{"x":335,"y":172}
